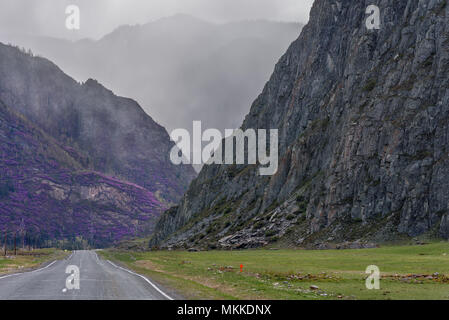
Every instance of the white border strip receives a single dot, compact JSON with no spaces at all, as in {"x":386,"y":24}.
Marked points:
{"x":17,"y":274}
{"x":151,"y":283}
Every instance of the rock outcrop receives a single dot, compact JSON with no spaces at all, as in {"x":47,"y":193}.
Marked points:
{"x":364,"y":136}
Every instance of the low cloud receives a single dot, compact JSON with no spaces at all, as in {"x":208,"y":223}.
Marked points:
{"x":99,"y":17}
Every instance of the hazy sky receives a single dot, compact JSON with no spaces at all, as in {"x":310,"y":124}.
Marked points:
{"x":99,"y":17}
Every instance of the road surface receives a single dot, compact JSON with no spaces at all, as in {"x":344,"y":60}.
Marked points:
{"x":98,"y":280}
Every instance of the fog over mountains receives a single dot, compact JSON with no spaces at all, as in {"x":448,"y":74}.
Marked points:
{"x":178,"y":68}
{"x":93,"y":163}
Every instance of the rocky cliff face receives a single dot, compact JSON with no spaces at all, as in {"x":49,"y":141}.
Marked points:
{"x":116,"y":135}
{"x":364,"y":136}
{"x":47,"y":194}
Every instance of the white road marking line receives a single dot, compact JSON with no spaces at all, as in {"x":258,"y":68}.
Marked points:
{"x":16,"y":274}
{"x":70,"y":257}
{"x":151,"y":283}
{"x":98,"y":260}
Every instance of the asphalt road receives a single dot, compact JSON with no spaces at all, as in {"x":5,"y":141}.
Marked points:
{"x":98,"y":280}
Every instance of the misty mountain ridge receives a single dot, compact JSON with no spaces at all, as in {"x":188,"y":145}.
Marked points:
{"x":77,"y":160}
{"x":119,"y":138}
{"x":179,"y":68}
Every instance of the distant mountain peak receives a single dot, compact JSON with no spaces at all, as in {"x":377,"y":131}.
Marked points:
{"x":97,"y":86}
{"x":183,"y":17}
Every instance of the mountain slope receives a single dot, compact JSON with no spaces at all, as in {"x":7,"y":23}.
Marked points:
{"x":117,"y":136}
{"x":46,"y":193}
{"x":178,"y":68}
{"x":364,"y":136}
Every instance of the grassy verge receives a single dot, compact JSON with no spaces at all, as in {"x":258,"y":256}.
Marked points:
{"x":407,"y":272}
{"x":25,"y":260}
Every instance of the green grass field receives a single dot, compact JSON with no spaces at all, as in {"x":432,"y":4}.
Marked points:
{"x":407,"y":272}
{"x":25,"y":260}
